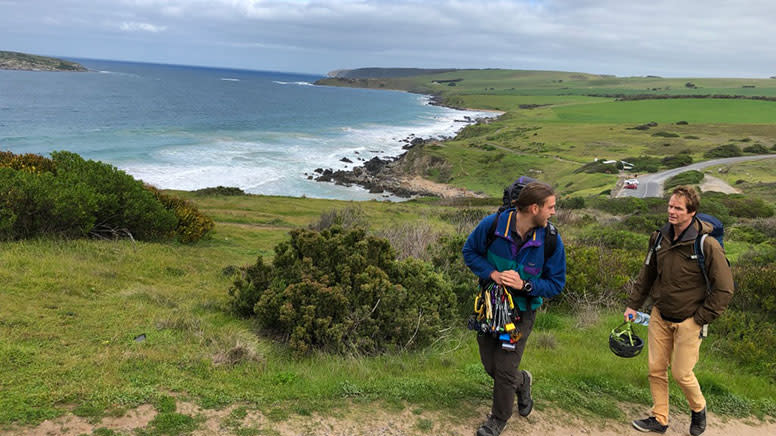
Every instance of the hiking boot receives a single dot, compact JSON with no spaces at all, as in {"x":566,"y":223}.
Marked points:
{"x":492,"y":427}
{"x":524,"y":400}
{"x":650,"y":424}
{"x":698,"y":422}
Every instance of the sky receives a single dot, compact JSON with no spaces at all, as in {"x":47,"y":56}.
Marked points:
{"x":669,"y":38}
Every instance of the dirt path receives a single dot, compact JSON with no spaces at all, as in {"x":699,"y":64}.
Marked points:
{"x":373,"y":419}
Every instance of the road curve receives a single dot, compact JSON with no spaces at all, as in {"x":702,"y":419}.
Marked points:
{"x":651,"y":185}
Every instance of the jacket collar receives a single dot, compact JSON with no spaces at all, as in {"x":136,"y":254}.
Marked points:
{"x":696,"y":227}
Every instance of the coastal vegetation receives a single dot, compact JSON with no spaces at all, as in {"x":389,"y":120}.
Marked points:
{"x":68,"y":196}
{"x":10,"y":60}
{"x":96,"y":328}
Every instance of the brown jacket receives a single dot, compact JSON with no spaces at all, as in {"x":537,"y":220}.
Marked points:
{"x":674,"y":279}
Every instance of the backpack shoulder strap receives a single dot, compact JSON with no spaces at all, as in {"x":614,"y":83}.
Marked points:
{"x":492,"y":232}
{"x":701,"y":257}
{"x":550,"y":240}
{"x":655,"y":245}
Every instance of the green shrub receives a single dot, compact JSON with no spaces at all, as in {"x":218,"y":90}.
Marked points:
{"x":597,"y":167}
{"x":676,"y":161}
{"x":686,"y":178}
{"x":740,"y":205}
{"x":644,"y":164}
{"x":619,"y":206}
{"x":80,"y":198}
{"x":747,"y":337}
{"x":342,"y":291}
{"x":447,"y":259}
{"x":220,"y":190}
{"x":571,"y":203}
{"x":645,"y":224}
{"x":192,"y":225}
{"x":613,"y":238}
{"x":756,"y":149}
{"x":123,"y":203}
{"x":33,"y":163}
{"x":665,"y":134}
{"x":596,"y":276}
{"x":727,"y":150}
{"x":754,"y":287}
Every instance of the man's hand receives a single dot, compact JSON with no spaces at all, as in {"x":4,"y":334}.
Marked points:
{"x":629,"y":314}
{"x":508,"y":278}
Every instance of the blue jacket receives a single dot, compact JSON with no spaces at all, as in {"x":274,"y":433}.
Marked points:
{"x":547,"y":278}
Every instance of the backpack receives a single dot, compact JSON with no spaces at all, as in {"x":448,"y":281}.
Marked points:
{"x":511,"y":193}
{"x":717,"y":232}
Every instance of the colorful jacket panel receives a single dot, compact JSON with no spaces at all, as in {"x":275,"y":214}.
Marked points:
{"x":547,"y":277}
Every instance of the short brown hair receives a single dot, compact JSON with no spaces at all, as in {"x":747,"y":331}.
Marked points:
{"x":534,"y":193}
{"x":691,"y":197}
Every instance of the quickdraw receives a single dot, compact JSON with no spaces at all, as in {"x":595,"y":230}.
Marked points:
{"x":495,"y":314}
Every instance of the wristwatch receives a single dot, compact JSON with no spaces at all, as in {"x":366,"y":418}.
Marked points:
{"x":527,"y":287}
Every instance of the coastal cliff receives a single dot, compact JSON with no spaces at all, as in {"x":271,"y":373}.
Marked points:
{"x":10,"y":60}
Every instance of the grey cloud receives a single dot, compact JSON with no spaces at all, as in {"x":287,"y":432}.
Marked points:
{"x":693,"y":37}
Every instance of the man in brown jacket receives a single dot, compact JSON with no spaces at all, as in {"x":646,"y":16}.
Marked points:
{"x":684,"y":303}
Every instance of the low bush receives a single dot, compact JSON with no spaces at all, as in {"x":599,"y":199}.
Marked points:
{"x":619,"y":206}
{"x":348,"y":217}
{"x":686,"y":178}
{"x":82,"y":198}
{"x":33,"y":163}
{"x":447,"y":259}
{"x":747,"y":337}
{"x":571,"y":203}
{"x":727,"y":150}
{"x":756,"y":149}
{"x":740,"y":205}
{"x":598,"y":276}
{"x":646,"y":223}
{"x":665,"y":134}
{"x":644,"y":164}
{"x":342,"y":291}
{"x":192,"y":225}
{"x":597,"y":167}
{"x":220,"y":190}
{"x":676,"y":161}
{"x":613,"y":238}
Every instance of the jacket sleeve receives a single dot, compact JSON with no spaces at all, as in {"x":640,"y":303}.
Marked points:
{"x":645,"y":279}
{"x":475,"y":249}
{"x":720,"y":281}
{"x":553,"y":277}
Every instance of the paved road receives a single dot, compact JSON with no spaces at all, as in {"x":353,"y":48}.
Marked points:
{"x":651,"y":185}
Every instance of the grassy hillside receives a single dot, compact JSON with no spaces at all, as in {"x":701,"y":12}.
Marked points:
{"x":74,"y":313}
{"x":555,"y":122}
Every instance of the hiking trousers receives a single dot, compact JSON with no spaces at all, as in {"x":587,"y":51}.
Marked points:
{"x":677,"y":344}
{"x":502,"y":366}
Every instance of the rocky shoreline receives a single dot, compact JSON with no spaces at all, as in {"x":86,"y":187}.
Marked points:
{"x":402,"y":175}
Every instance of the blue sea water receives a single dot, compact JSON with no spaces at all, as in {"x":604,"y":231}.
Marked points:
{"x":180,"y":127}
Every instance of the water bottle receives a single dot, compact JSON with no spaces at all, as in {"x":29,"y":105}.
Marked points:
{"x":641,"y":318}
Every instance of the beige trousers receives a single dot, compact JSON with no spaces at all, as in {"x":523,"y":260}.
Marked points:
{"x":677,"y":344}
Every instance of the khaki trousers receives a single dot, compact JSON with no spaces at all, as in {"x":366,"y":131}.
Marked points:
{"x":677,"y":344}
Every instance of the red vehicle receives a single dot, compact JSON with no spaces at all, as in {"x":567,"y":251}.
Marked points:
{"x":631,"y":184}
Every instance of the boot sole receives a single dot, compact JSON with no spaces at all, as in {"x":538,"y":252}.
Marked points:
{"x":529,"y":408}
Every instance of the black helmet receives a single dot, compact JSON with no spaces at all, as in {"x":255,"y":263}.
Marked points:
{"x":624,"y":342}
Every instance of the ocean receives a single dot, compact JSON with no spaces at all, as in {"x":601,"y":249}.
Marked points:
{"x":181,"y":127}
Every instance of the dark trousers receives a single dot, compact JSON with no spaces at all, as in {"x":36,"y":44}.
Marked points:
{"x":502,"y":366}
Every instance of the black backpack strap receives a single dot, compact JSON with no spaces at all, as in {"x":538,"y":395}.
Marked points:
{"x":550,"y":240}
{"x":492,"y":232}
{"x":701,"y":257}
{"x":654,"y":247}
